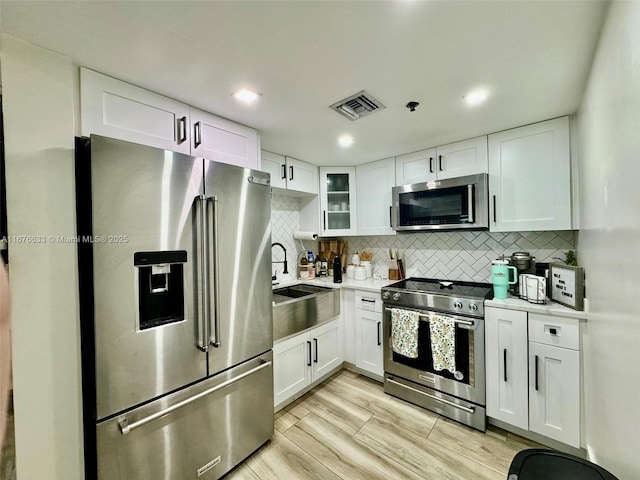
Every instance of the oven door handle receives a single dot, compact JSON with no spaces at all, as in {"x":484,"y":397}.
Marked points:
{"x":433,"y":397}
{"x":457,"y":320}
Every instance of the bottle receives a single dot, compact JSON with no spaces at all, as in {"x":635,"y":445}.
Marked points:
{"x":324,"y":266}
{"x":337,"y":270}
{"x":318,"y":266}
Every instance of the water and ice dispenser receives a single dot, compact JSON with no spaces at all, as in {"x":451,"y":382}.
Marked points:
{"x":161,"y":288}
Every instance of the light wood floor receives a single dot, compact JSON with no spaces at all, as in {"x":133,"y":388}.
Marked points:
{"x":348,"y":428}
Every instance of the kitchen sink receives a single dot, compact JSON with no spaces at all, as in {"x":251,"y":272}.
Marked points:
{"x":300,"y":306}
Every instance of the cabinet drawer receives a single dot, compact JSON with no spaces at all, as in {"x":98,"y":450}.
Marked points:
{"x":368,"y":301}
{"x":556,"y":331}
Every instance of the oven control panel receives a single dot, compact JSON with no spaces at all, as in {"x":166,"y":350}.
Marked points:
{"x":444,"y":303}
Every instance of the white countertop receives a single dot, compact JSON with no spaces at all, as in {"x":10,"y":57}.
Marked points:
{"x":549,"y":308}
{"x":369,"y":285}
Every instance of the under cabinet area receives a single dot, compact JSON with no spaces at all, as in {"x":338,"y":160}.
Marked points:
{"x":530,"y":178}
{"x":467,"y":157}
{"x":368,"y":333}
{"x":116,"y":109}
{"x":533,"y":372}
{"x":290,"y":174}
{"x":304,"y":359}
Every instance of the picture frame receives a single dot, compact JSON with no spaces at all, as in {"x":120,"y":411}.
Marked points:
{"x":567,"y":285}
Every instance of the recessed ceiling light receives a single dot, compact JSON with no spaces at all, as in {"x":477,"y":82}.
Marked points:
{"x":245,"y":95}
{"x":475,"y":97}
{"x":345,"y":141}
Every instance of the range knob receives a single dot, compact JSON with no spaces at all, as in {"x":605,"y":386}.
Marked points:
{"x":457,"y":304}
{"x":396,"y":297}
{"x":385,"y":295}
{"x":473,"y":307}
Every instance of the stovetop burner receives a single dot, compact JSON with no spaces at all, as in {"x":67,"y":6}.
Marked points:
{"x":464,"y":298}
{"x":445,"y":287}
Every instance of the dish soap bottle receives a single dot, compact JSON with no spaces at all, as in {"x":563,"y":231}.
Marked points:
{"x":337,"y":270}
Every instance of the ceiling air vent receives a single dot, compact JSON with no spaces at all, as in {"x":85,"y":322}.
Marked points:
{"x":357,"y":106}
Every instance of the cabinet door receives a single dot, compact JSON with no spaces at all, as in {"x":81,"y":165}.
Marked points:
{"x":120,"y":110}
{"x":302,"y":176}
{"x":529,"y":178}
{"x":554,"y":393}
{"x":416,"y":167}
{"x":274,"y":165}
{"x":291,"y":366}
{"x":468,"y":157}
{"x":222,"y":140}
{"x":369,"y":341}
{"x":327,"y":348}
{"x":506,"y":361}
{"x":374,"y":183}
{"x":338,"y":201}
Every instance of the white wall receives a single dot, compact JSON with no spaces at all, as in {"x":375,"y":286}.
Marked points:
{"x":40,"y":104}
{"x":609,"y":241}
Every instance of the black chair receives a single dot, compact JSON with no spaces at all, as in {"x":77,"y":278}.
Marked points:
{"x":543,"y":464}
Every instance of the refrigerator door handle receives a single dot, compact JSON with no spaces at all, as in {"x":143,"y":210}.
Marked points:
{"x":202,"y":279}
{"x":126,"y":427}
{"x":214,"y":258}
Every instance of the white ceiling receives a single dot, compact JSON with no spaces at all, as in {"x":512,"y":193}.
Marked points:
{"x":533,"y":57}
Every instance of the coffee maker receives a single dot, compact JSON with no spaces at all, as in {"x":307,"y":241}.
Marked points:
{"x":524,"y":263}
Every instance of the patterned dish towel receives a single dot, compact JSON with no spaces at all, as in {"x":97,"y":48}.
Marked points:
{"x":442,"y":331}
{"x":404,"y":332}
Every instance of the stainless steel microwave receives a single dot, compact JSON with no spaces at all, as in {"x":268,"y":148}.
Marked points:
{"x":451,"y":204}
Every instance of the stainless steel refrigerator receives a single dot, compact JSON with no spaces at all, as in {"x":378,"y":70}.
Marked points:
{"x":175,"y":308}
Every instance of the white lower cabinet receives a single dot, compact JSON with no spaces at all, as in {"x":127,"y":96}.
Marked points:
{"x":368,"y":332}
{"x":506,"y":361}
{"x":533,"y":373}
{"x":303,"y":359}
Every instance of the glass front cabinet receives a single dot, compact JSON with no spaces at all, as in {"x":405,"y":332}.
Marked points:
{"x":338,"y":201}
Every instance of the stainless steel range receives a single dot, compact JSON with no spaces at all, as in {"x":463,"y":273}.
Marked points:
{"x":434,"y":346}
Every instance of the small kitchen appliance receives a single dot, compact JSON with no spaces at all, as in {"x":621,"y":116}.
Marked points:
{"x":457,"y":392}
{"x":501,"y":272}
{"x":526,"y":264}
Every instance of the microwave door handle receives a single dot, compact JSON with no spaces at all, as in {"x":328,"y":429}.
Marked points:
{"x":470,"y":203}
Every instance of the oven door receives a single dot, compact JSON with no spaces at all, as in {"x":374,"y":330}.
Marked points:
{"x":467,"y":382}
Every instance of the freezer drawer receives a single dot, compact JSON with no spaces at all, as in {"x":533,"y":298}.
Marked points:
{"x":192,"y":433}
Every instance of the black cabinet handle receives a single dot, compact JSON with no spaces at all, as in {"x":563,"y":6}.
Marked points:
{"x":284,"y":172}
{"x":379,"y":334}
{"x":182,"y":130}
{"x":494,"y":209}
{"x":390,"y":219}
{"x":553,"y":331}
{"x":315,"y":346}
{"x":536,"y":374}
{"x":430,"y":164}
{"x":504,"y":360}
{"x":291,"y":172}
{"x":309,"y":349}
{"x":197,"y":135}
{"x":440,"y":162}
{"x":324,"y":219}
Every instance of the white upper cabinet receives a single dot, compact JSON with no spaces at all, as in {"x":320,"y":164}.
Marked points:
{"x":275,"y":166}
{"x":290,"y":174}
{"x":468,"y":157}
{"x":119,"y":110}
{"x":222,"y":140}
{"x":338,"y":201}
{"x":374,"y":182}
{"x":416,"y":167}
{"x":530,"y":178}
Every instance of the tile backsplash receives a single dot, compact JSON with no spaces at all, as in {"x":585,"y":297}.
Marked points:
{"x":449,"y":255}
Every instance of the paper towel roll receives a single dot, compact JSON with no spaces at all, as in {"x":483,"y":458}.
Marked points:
{"x":300,"y":235}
